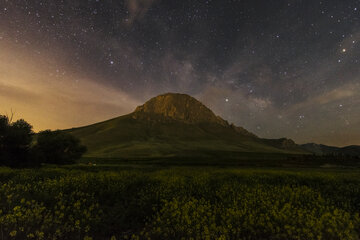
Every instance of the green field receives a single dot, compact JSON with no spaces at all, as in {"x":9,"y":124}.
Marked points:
{"x":153,"y":202}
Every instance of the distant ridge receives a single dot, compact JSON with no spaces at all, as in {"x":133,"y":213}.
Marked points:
{"x":175,"y":125}
{"x":320,"y":149}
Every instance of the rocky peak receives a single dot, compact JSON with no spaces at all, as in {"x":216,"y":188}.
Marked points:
{"x":177,"y":106}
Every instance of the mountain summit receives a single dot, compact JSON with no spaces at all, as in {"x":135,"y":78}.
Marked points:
{"x":176,"y":106}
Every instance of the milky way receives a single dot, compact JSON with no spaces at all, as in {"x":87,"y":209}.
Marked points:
{"x":278,"y":68}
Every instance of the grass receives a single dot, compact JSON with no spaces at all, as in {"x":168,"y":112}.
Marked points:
{"x":233,"y":159}
{"x":151,"y":201}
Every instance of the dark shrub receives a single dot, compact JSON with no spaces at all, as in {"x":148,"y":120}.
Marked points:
{"x":58,"y":147}
{"x":15,"y":142}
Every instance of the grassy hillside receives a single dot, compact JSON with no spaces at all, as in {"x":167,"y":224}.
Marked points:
{"x":126,"y":137}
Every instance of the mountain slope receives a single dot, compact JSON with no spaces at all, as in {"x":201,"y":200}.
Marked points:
{"x":173,"y":125}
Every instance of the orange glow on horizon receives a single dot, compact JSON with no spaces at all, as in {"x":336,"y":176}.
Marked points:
{"x":54,"y":99}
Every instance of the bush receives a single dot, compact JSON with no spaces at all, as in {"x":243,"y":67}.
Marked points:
{"x":58,"y":147}
{"x":15,"y":142}
{"x":18,"y":149}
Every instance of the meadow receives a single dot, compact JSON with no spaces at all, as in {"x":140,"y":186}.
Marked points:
{"x":152,"y":202}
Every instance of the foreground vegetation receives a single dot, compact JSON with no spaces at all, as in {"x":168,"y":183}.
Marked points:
{"x":118,"y":202}
{"x":21,"y":147}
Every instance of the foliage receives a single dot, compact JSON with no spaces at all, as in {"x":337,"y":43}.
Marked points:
{"x":58,"y":147}
{"x":46,"y":210}
{"x":178,"y":203}
{"x":15,"y":142}
{"x":17,"y":148}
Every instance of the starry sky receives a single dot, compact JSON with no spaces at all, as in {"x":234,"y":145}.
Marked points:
{"x":278,"y":68}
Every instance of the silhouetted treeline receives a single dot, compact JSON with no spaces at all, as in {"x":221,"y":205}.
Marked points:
{"x":21,"y":147}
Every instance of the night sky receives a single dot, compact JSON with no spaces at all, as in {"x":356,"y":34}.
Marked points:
{"x":278,"y":68}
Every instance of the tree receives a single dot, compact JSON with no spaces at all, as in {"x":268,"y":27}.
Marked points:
{"x":17,"y":148}
{"x":58,"y":147}
{"x":4,"y":125}
{"x":15,"y":142}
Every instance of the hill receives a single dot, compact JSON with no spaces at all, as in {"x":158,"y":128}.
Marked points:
{"x":320,"y":149}
{"x":175,"y":125}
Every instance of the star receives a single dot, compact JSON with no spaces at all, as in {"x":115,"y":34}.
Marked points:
{"x":264,"y":63}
